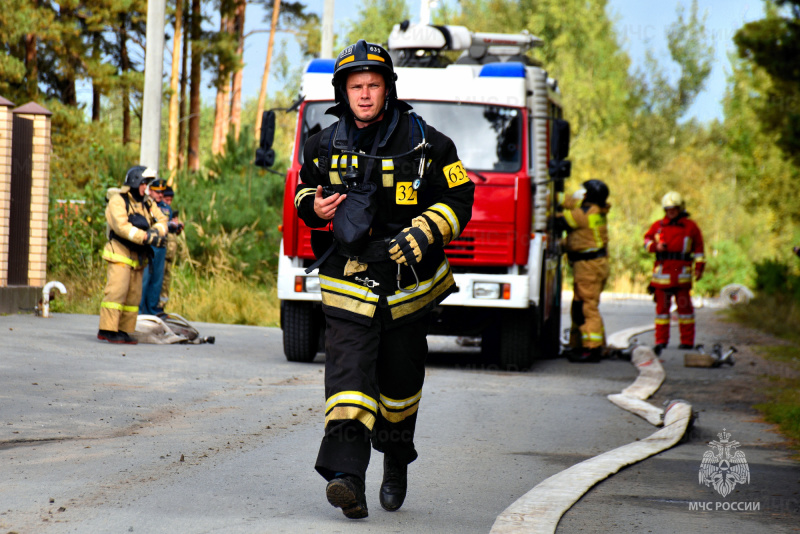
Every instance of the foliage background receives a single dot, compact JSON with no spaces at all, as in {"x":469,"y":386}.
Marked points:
{"x":628,"y":129}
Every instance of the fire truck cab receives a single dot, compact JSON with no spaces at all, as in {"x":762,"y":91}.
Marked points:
{"x":504,"y":115}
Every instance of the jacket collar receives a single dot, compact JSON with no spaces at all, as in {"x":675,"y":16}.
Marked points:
{"x":394,"y":112}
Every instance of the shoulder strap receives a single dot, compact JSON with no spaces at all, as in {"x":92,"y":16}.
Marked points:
{"x":417,"y":128}
{"x":325,"y":148}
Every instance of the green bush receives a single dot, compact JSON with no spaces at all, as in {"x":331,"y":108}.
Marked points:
{"x":726,"y":263}
{"x":232,"y":212}
{"x":774,"y":277}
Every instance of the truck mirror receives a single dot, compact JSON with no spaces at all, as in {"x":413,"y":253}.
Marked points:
{"x":560,"y":141}
{"x":265,"y":157}
{"x":267,"y":129}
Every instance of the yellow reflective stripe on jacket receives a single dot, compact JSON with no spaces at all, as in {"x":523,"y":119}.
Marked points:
{"x":120,"y":258}
{"x":403,"y":304}
{"x":597,"y":221}
{"x":348,"y":296}
{"x":452,"y":228}
{"x":303,"y":193}
{"x":570,"y":219}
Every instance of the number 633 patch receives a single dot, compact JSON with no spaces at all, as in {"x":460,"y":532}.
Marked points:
{"x":456,"y":174}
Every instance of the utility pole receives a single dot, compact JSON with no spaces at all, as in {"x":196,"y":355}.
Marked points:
{"x":153,"y":71}
{"x":326,"y":51}
{"x":425,"y":11}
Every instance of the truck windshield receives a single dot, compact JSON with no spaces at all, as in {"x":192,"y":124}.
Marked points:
{"x":487,"y":138}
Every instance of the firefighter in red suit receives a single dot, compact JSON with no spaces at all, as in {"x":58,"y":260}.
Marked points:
{"x":678,"y":245}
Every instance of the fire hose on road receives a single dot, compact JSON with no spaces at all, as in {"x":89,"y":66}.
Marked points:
{"x":541,"y":508}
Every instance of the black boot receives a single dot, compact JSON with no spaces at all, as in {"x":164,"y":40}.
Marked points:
{"x":659,"y":347}
{"x":128,"y":339}
{"x":110,"y":336}
{"x":395,"y":483}
{"x":585,"y":355}
{"x":347,"y":492}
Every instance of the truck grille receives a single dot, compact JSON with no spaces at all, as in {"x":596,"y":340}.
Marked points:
{"x":482,"y":246}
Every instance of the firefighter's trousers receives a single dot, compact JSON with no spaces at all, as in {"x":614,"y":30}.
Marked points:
{"x":373,"y":385}
{"x":587,"y":324}
{"x":683,"y":301}
{"x":121,"y":297}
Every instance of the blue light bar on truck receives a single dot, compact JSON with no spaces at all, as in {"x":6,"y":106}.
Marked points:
{"x":321,"y":66}
{"x":503,"y":70}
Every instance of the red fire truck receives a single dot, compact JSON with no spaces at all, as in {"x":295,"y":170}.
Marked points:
{"x":504,"y":115}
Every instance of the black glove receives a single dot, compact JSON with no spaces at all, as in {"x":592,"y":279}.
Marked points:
{"x":175,"y":228}
{"x":408,"y":246}
{"x":797,"y":251}
{"x":154,"y":239}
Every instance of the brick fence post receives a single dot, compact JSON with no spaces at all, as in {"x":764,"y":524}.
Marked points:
{"x":40,"y":191}
{"x":6,"y":120}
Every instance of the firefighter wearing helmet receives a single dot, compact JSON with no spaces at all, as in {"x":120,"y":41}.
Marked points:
{"x":134,"y":224}
{"x":585,"y":220}
{"x":677,"y":242}
{"x":386,"y":192}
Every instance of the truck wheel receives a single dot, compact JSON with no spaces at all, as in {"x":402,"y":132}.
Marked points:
{"x":550,"y":329}
{"x":301,"y":330}
{"x":510,"y":341}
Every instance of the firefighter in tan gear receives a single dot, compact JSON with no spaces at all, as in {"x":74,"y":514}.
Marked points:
{"x":396,"y":193}
{"x":135,"y":224}
{"x":584,"y":218}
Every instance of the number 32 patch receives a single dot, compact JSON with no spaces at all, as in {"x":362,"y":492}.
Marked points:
{"x":456,"y":174}
{"x":405,"y":193}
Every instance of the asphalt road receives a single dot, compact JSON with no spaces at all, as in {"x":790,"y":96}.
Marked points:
{"x":99,"y":438}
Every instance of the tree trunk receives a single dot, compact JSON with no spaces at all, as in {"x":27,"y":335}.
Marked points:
{"x":174,"y":97}
{"x":182,"y":121}
{"x":262,"y":94}
{"x":96,"y":94}
{"x":236,"y":86}
{"x":31,"y":66}
{"x":193,"y":155}
{"x":219,"y":109}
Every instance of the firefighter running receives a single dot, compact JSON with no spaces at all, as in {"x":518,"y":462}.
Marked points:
{"x":134,"y":225}
{"x":382,"y":268}
{"x":584,"y":219}
{"x":677,"y":243}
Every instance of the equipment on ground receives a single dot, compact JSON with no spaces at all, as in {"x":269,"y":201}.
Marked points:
{"x":166,"y":329}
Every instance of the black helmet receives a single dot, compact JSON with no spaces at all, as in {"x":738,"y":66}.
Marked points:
{"x":596,"y":192}
{"x":363,"y":56}
{"x":158,"y":185}
{"x":138,"y":175}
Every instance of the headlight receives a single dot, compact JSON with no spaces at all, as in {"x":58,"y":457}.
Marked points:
{"x":485,"y":290}
{"x":308,"y":284}
{"x":491,"y":290}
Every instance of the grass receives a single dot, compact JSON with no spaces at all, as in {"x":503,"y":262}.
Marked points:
{"x":778,"y":315}
{"x":224,"y":297}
